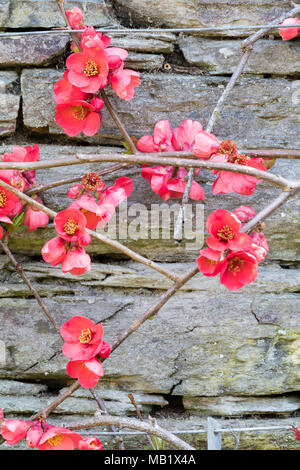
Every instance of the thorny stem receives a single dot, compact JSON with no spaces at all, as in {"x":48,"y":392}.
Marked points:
{"x":247,"y":47}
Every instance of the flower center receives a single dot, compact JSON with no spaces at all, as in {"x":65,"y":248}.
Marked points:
{"x":229,"y":147}
{"x":225,"y":233}
{"x":91,"y":68}
{"x":70,"y":227}
{"x":79,"y":112}
{"x":235,"y":265}
{"x":3,"y":198}
{"x":85,"y":336}
{"x":55,"y":440}
{"x":92,"y":181}
{"x":239,"y":159}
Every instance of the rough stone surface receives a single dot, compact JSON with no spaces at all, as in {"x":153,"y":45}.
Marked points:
{"x":260,"y":112}
{"x":219,"y":57}
{"x":45,"y":13}
{"x":201,"y":13}
{"x":196,"y":346}
{"x":237,"y":406}
{"x":31,"y":50}
{"x":9,"y":101}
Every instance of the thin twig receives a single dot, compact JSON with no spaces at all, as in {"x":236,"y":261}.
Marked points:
{"x":140,"y":416}
{"x":34,"y":292}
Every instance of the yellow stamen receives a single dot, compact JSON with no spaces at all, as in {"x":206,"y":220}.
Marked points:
{"x":85,"y":336}
{"x":70,"y":227}
{"x":91,"y":68}
{"x":55,"y":440}
{"x":3,"y":198}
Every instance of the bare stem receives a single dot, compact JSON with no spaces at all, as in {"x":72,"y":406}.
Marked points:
{"x":34,"y":292}
{"x":140,"y":416}
{"x":132,"y":423}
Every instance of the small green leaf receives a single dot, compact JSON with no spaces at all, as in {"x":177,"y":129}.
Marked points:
{"x":19,"y":219}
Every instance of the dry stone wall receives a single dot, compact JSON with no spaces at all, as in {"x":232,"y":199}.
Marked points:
{"x":210,"y":351}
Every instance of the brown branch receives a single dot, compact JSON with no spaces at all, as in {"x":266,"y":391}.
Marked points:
{"x":132,"y":423}
{"x":247,"y":47}
{"x":140,"y":416}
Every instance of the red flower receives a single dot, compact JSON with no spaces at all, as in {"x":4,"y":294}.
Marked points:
{"x":34,"y":434}
{"x":34,"y":218}
{"x":78,"y":116}
{"x":224,"y":229}
{"x":158,"y":178}
{"x":210,"y":262}
{"x":205,"y":145}
{"x":54,"y":251}
{"x":90,"y":38}
{"x":238,"y":269}
{"x":115,"y":57}
{"x":8,"y":202}
{"x":90,"y":443}
{"x":290,"y":33}
{"x":296,"y":432}
{"x":88,"y":206}
{"x":184,"y":136}
{"x":88,"y":373}
{"x":161,"y":141}
{"x":70,"y":225}
{"x":75,"y":18}
{"x":76,"y":261}
{"x":244,"y":213}
{"x":88,"y":69}
{"x":259,"y":247}
{"x":14,"y":430}
{"x":105,"y":350}
{"x":26,"y":154}
{"x":176,"y":187}
{"x":83,"y":339}
{"x":229,"y":182}
{"x":123,"y":81}
{"x":58,"y":438}
{"x":65,"y":92}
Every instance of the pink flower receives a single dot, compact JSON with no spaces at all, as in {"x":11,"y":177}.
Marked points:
{"x":238,"y":269}
{"x":34,"y":434}
{"x":91,"y":210}
{"x":229,"y":182}
{"x":58,"y":438}
{"x":34,"y":218}
{"x":54,"y":251}
{"x":105,"y":350}
{"x":184,"y":136}
{"x":70,"y":224}
{"x":123,"y":81}
{"x":210,"y":262}
{"x":244,"y":213}
{"x":90,"y":38}
{"x":88,"y":373}
{"x":176,"y":187}
{"x":88,"y":69}
{"x":290,"y":33}
{"x":78,"y":116}
{"x":26,"y":154}
{"x":224,"y":230}
{"x":296,"y":431}
{"x":8,"y":202}
{"x":76,"y":261}
{"x":259,"y":246}
{"x":65,"y":92}
{"x":158,"y":178}
{"x":161,"y":141}
{"x":90,"y":443}
{"x":75,"y":191}
{"x":75,"y":17}
{"x":14,"y":430}
{"x":83,"y":338}
{"x":205,"y":145}
{"x":115,"y":57}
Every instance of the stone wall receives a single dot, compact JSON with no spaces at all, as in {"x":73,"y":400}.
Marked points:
{"x":209,"y":352}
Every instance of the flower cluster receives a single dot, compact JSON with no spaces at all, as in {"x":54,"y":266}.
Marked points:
{"x":83,"y":344}
{"x":290,"y":33}
{"x":12,"y":210}
{"x":44,"y":436}
{"x":93,"y":206}
{"x":168,"y":182}
{"x":89,"y":70}
{"x":232,"y":254}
